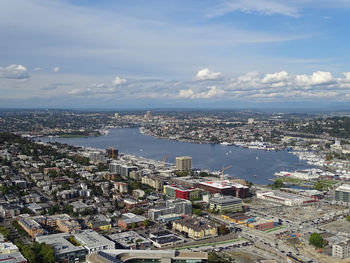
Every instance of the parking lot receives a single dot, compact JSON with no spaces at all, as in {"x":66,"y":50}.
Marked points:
{"x":299,"y":213}
{"x":339,"y":226}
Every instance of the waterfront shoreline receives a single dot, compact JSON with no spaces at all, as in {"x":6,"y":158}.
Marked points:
{"x":205,"y":156}
{"x":240,"y":144}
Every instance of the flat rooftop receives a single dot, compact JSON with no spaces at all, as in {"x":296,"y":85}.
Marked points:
{"x":344,"y":188}
{"x":225,"y":200}
{"x":59,"y":243}
{"x":127,"y":239}
{"x":124,"y":254}
{"x":90,"y":238}
{"x":217,"y":184}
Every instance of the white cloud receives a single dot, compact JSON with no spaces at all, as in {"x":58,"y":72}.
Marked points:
{"x":347,"y":76}
{"x":94,"y":89}
{"x":212,"y":92}
{"x":118,"y":81}
{"x":248,"y":77}
{"x":38,"y":69}
{"x":317,"y":78}
{"x":14,"y":72}
{"x":263,"y":7}
{"x":186,"y":93}
{"x":56,"y":69}
{"x":275,"y":77}
{"x":207,"y":74}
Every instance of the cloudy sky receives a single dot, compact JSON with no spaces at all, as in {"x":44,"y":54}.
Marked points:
{"x":208,"y":53}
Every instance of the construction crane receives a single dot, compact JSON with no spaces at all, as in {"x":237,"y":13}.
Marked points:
{"x":164,"y":158}
{"x":223,"y":172}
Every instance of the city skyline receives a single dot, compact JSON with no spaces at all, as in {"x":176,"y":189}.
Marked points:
{"x":115,"y":54}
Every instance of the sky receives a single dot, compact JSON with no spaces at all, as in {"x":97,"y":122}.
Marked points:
{"x":174,"y":53}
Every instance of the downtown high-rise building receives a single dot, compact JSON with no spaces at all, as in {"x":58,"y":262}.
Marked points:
{"x":184,"y":163}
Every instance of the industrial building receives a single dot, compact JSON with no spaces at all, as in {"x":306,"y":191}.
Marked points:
{"x":284,"y":198}
{"x":252,"y":222}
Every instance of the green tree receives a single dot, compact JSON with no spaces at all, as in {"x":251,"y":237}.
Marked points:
{"x":278,"y":183}
{"x":203,"y":174}
{"x":4,"y":190}
{"x":318,"y":186}
{"x":137,"y":211}
{"x":197,"y":211}
{"x":316,"y":240}
{"x":53,"y":209}
{"x":348,"y":218}
{"x":37,"y":253}
{"x":146,"y":223}
{"x":5,"y":231}
{"x":222,"y":230}
{"x":181,"y":173}
{"x":68,"y":209}
{"x":133,"y":225}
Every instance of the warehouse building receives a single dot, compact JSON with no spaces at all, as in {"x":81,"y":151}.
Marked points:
{"x":284,"y":198}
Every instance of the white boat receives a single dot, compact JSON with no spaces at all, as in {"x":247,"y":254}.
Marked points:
{"x":282,"y":174}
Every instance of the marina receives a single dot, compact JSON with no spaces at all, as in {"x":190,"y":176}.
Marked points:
{"x":209,"y":157}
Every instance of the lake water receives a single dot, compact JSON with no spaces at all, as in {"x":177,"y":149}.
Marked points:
{"x":245,"y":162}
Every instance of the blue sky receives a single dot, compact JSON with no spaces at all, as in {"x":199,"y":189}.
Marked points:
{"x":125,"y":54}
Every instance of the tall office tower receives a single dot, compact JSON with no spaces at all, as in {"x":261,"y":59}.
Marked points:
{"x":184,"y":163}
{"x":148,"y":115}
